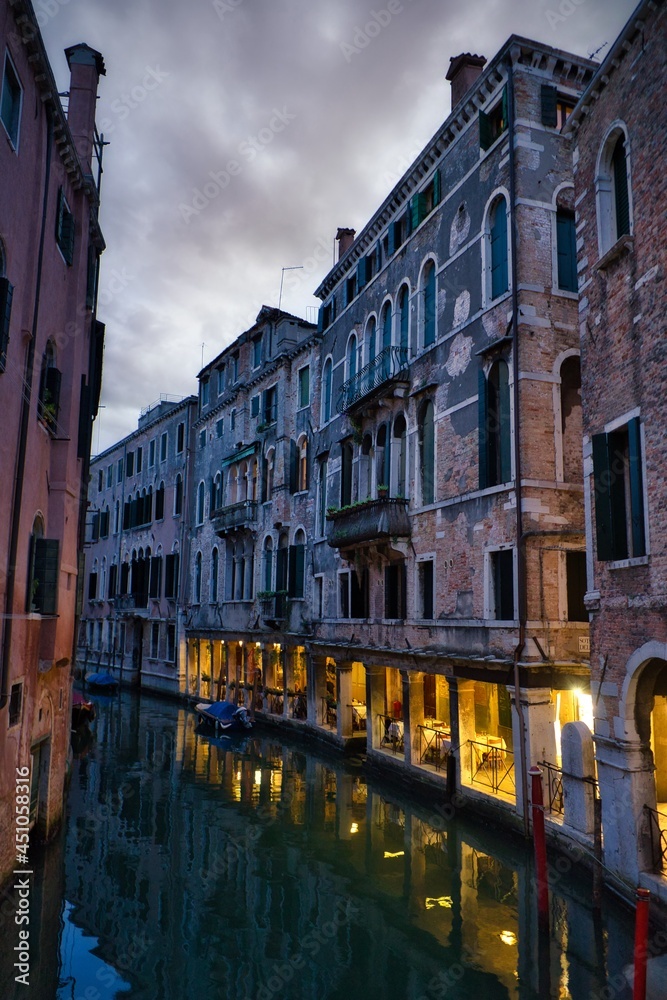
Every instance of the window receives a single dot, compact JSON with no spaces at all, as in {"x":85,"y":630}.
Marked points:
{"x":10,"y":103}
{"x":100,"y":481}
{"x":327,"y":380}
{"x":15,"y":704}
{"x":303,"y":464}
{"x":163,"y":447}
{"x":575,"y":569}
{"x":129,"y":464}
{"x":214,"y":575}
{"x":499,"y":271}
{"x":566,"y":245}
{"x":297,"y":565}
{"x":116,"y":517}
{"x":399,"y":460}
{"x":620,"y":182}
{"x":322,"y":499}
{"x":109,"y":476}
{"x":113,"y":581}
{"x":612,"y":185}
{"x":48,"y":402}
{"x":155,"y":639}
{"x":495,"y":462}
{"x":202,"y":438}
{"x":171,"y":575}
{"x":180,"y":438}
{"x":426,"y":429}
{"x":350,"y":289}
{"x":428,"y":315}
{"x":201,"y":490}
{"x":353,"y":594}
{"x":386,"y":340}
{"x":570,"y":417}
{"x":267,"y":476}
{"x":501,"y":605}
{"x":234,"y":367}
{"x":556,"y":109}
{"x":347,"y":455}
{"x":257,"y":352}
{"x":403,"y":322}
{"x":619,"y":493}
{"x":425,"y":571}
{"x":268,"y":565}
{"x":44,"y":572}
{"x":493,"y":123}
{"x":151,"y":454}
{"x":395,"y":587}
{"x":423,"y":202}
{"x":216,"y":492}
{"x":119,"y":471}
{"x":351,"y":357}
{"x":171,"y":642}
{"x":178,"y":495}
{"x":254,"y":406}
{"x":197,"y":579}
{"x":159,"y":502}
{"x":205,"y":392}
{"x":304,"y":387}
{"x":140,"y":458}
{"x":383,"y":458}
{"x":92,"y":585}
{"x":371,"y":344}
{"x":232,"y":420}
{"x":219,"y":427}
{"x":271,"y":405}
{"x":104,"y":522}
{"x":65,"y":228}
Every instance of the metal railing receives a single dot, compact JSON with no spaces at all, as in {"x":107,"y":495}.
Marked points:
{"x":329,"y":712}
{"x":385,"y":366}
{"x":236,"y":515}
{"x":434,"y":746}
{"x":555,"y":802}
{"x":658,"y":830}
{"x":492,"y":766}
{"x":391,"y":733}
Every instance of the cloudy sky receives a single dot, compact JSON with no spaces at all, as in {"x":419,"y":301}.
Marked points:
{"x":243,"y":133}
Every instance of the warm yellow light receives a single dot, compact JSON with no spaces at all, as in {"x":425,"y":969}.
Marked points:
{"x":258,"y":644}
{"x":444,"y":901}
{"x":238,"y":775}
{"x":394,"y":854}
{"x":585,"y":707}
{"x":258,"y":777}
{"x":507,"y":937}
{"x":276,"y":646}
{"x":240,"y":642}
{"x":354,"y":828}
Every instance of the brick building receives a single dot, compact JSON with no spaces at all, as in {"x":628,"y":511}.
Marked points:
{"x":136,"y":551}
{"x":50,"y":367}
{"x":621,"y":195}
{"x":449,"y":546}
{"x":249,"y":591}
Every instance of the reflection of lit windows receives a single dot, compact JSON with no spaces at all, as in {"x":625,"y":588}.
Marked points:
{"x":508,"y":937}
{"x":354,"y":828}
{"x":394,"y":854}
{"x":444,"y":901}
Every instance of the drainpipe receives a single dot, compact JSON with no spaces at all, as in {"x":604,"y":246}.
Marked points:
{"x":521,"y":564}
{"x":23,"y":434}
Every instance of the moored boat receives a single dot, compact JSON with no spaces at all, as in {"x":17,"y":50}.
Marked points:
{"x":103,"y":681}
{"x":82,"y":709}
{"x":224,"y":716}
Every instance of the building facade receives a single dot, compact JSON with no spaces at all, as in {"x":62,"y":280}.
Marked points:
{"x":137,"y":538}
{"x":50,"y":368}
{"x":621,"y":197}
{"x":249,"y":600}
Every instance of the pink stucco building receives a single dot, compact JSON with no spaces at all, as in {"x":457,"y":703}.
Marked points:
{"x":50,"y":368}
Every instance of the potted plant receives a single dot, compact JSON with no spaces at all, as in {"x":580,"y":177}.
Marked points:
{"x":383,"y":491}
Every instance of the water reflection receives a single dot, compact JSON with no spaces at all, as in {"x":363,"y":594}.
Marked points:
{"x":251,"y":869}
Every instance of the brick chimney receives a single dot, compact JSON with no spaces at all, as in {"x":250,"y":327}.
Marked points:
{"x":463,"y":70}
{"x":86,"y":67}
{"x":345,"y":239}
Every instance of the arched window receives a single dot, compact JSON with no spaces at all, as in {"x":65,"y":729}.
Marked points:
{"x":216,"y":493}
{"x":178,"y":495}
{"x":366,"y":468}
{"x":200,"y":503}
{"x":351,"y":357}
{"x":371,"y":341}
{"x":242,"y":483}
{"x":400,"y":456}
{"x":116,"y":518}
{"x":270,"y":463}
{"x":282,"y":567}
{"x":426,"y":428}
{"x":297,"y":565}
{"x":403,"y":322}
{"x":48,"y":401}
{"x":386,"y":340}
{"x":382,"y":462}
{"x":327,"y":379}
{"x":566,"y":241}
{"x":428,"y":298}
{"x":498,"y":254}
{"x":613,"y":187}
{"x":268,"y":565}
{"x":302,"y":447}
{"x":197,"y":580}
{"x":252,"y":479}
{"x":570,"y":415}
{"x":322,"y":499}
{"x":214,"y":576}
{"x":495,"y":463}
{"x":248,"y":560}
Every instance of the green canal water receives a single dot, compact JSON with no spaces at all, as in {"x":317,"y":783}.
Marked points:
{"x":262,"y":870}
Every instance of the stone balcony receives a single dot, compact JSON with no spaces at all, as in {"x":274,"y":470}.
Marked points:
{"x":372,"y":522}
{"x":236,"y":517}
{"x":377,"y":380}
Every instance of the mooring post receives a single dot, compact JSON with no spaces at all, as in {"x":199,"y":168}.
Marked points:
{"x":641,"y":945}
{"x":539,"y":838}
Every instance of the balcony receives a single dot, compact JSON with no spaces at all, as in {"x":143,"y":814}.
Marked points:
{"x":376,"y":380}
{"x":236,"y":517}
{"x":373,"y":521}
{"x":134,"y":604}
{"x":273,"y":607}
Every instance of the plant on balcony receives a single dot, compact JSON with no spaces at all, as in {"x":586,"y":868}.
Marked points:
{"x":383,"y":490}
{"x":265,"y":595}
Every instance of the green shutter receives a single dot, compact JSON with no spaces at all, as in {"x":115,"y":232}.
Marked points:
{"x":6,"y":294}
{"x":567,"y":251}
{"x":361,"y":273}
{"x":346,"y":294}
{"x":293,"y":467}
{"x":437,"y":188}
{"x":505,"y":110}
{"x":549,"y":102}
{"x":391,"y":239}
{"x":499,"y":268}
{"x":482,"y":413}
{"x":601,"y":481}
{"x":320,"y":319}
{"x":636,"y":487}
{"x":505,"y":437}
{"x":485,"y":131}
{"x":416,"y":210}
{"x":45,"y":575}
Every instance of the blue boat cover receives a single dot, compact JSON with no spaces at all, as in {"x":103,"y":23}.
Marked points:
{"x":103,"y":679}
{"x":223,"y":711}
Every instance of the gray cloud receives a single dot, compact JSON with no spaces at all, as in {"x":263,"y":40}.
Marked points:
{"x":365,"y":90}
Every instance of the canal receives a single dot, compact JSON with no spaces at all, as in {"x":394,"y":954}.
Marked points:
{"x":262,"y":870}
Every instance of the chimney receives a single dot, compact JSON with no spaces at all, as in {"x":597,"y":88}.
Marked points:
{"x":86,"y":67}
{"x":345,"y":239}
{"x":463,"y":70}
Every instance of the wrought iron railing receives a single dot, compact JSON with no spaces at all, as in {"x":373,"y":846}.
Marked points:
{"x":391,"y":733}
{"x":237,"y":515}
{"x":554,"y":787}
{"x":385,"y":366}
{"x":658,"y":830}
{"x":434,"y":745}
{"x":329,"y":712}
{"x":492,"y":766}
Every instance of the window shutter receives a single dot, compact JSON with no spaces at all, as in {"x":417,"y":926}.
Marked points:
{"x":113,"y":576}
{"x":504,"y":110}
{"x":361,"y":273}
{"x":6,"y":294}
{"x":567,"y":251}
{"x":416,"y":210}
{"x":601,"y":480}
{"x":549,"y":101}
{"x":320,"y":319}
{"x":291,"y":574}
{"x":499,"y":270}
{"x":300,"y":563}
{"x":46,"y":575}
{"x":346,"y":295}
{"x":391,"y":239}
{"x":293,"y":467}
{"x":333,"y":308}
{"x":154,"y":586}
{"x":408,"y":222}
{"x":636,"y":487}
{"x":482,"y":408}
{"x":83,"y":440}
{"x":127,"y":514}
{"x":504,"y":428}
{"x":60,"y":208}
{"x":621,"y":193}
{"x":437,"y":188}
{"x":485,"y":131}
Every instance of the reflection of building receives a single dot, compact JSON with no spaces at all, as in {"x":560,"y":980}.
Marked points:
{"x":137,"y":531}
{"x":622,"y":196}
{"x":50,"y":369}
